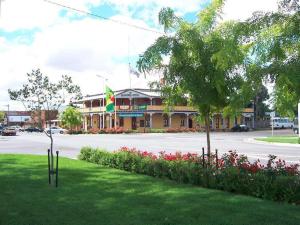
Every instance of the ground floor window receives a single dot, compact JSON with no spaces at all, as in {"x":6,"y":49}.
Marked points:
{"x":217,"y":123}
{"x":147,"y":121}
{"x":142,"y":123}
{"x":182,"y":122}
{"x":166,"y":121}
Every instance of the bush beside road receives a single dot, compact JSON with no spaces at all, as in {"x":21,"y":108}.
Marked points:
{"x":231,"y":172}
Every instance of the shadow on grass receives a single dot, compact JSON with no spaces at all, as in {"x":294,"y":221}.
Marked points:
{"x":90,"y":194}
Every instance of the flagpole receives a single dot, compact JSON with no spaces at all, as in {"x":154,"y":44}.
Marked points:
{"x":103,"y":99}
{"x":115,"y":112}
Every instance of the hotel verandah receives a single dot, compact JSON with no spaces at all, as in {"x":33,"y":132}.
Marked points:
{"x":142,"y":109}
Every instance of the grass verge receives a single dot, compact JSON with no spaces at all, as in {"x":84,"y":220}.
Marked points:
{"x":280,"y":139}
{"x":91,"y":194}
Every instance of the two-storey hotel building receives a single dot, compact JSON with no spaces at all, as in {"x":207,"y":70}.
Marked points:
{"x":141,"y":109}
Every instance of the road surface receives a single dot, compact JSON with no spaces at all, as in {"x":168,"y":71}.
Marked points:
{"x":69,"y":145}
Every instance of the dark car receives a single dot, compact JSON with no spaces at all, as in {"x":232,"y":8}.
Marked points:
{"x":9,"y":131}
{"x":240,"y":128}
{"x":296,"y":127}
{"x":33,"y":129}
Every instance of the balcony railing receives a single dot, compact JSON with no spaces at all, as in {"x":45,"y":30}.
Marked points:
{"x":175,"y":108}
{"x":147,"y":108}
{"x":92,"y":110}
{"x":137,"y":108}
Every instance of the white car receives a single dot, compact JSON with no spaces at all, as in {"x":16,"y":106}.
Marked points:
{"x":17,"y":128}
{"x":56,"y":130}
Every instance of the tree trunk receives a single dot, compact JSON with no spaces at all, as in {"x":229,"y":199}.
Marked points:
{"x":51,"y":148}
{"x":52,"y":158}
{"x":207,"y":128}
{"x":40,"y":125}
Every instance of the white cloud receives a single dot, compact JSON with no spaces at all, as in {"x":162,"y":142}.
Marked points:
{"x":30,"y":14}
{"x":243,"y":9}
{"x":84,"y":48}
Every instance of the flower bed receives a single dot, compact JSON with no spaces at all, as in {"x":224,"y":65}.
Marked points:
{"x":117,"y":130}
{"x":181,"y":129}
{"x":232,"y":172}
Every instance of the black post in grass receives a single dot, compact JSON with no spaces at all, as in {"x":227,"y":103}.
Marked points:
{"x":203,"y":157}
{"x":56,"y":178}
{"x":49,"y":171}
{"x":217,"y":159}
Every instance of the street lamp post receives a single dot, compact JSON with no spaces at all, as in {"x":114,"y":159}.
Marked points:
{"x":7,"y":117}
{"x":104,"y":81}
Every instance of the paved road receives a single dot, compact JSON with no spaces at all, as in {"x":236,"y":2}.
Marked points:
{"x":69,"y":145}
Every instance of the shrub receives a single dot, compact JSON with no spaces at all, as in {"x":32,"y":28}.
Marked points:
{"x":181,"y":129}
{"x":232,"y":172}
{"x":76,"y":132}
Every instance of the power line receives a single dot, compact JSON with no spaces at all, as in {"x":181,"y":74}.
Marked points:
{"x":102,"y":17}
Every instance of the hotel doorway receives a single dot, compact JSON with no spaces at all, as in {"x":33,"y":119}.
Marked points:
{"x":190,"y":123}
{"x":133,"y":123}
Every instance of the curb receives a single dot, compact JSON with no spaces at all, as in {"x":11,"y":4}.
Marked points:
{"x":253,"y":141}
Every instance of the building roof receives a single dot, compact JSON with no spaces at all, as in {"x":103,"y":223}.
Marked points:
{"x":125,"y":93}
{"x":18,"y":113}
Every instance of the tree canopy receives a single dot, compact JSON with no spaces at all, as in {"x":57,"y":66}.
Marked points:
{"x":276,"y":53}
{"x":2,"y":114}
{"x":206,"y":62}
{"x":71,"y":117}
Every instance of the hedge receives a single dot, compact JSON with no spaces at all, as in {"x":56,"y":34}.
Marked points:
{"x":232,"y":172}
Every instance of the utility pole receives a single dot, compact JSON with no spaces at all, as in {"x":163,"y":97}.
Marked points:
{"x":7,"y":116}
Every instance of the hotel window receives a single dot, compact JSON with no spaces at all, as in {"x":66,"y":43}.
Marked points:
{"x":166,"y":121}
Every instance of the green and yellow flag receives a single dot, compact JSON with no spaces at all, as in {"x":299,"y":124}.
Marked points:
{"x":110,"y":100}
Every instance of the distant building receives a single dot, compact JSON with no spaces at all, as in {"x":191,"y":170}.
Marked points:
{"x":28,"y":118}
{"x":140,"y":109}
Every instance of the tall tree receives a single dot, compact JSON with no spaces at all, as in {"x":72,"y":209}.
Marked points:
{"x":260,"y":102}
{"x":2,"y":115}
{"x":71,"y":117}
{"x":205,"y":62}
{"x":40,"y":94}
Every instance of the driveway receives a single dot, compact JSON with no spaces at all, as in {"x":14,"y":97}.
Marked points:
{"x":69,"y":145}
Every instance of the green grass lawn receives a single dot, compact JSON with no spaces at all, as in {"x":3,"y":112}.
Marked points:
{"x":280,"y":139}
{"x":90,"y":194}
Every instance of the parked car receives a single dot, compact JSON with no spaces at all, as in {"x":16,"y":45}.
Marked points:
{"x":56,"y":130}
{"x":33,"y":129}
{"x":296,"y":127}
{"x":1,"y":129}
{"x":18,"y":128}
{"x":9,"y":131}
{"x":240,"y":128}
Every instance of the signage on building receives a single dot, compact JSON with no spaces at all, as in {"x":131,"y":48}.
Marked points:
{"x":247,"y":114}
{"x":140,"y":107}
{"x":131,"y":114}
{"x":131,"y":94}
{"x":124,"y":107}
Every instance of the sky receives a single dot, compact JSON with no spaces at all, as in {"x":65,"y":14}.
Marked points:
{"x":36,"y":34}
